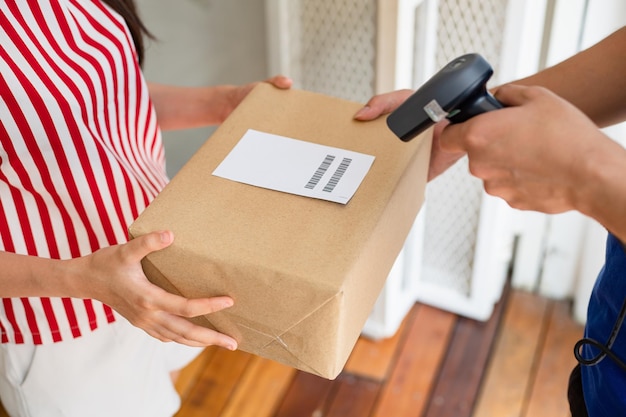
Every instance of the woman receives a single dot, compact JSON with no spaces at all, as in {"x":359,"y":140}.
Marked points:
{"x":80,"y":157}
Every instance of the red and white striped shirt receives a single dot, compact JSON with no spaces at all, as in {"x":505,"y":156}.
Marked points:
{"x":80,"y":149}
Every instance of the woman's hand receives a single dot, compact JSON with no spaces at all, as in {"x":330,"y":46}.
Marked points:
{"x":191,"y":107}
{"x":114,"y":276}
{"x":382,"y":104}
{"x":238,"y":93}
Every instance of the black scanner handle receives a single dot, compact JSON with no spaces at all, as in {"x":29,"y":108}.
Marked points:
{"x":457,"y":92}
{"x":482,"y":103}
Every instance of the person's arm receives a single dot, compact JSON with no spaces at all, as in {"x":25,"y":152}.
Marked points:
{"x":545,"y":152}
{"x":575,"y":165}
{"x":593,"y":80}
{"x":189,"y":107}
{"x":542,"y":153}
{"x":114,"y":276}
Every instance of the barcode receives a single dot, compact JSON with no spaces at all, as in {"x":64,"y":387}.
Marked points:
{"x":321,"y":170}
{"x":334,"y":180}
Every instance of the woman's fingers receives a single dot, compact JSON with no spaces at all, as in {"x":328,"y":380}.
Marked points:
{"x":280,"y":81}
{"x":382,"y":104}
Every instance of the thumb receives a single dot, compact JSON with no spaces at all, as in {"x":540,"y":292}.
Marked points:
{"x":382,"y":104}
{"x":141,"y":246}
{"x":512,"y":95}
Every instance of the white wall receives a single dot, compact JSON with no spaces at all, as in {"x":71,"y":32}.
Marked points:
{"x":202,"y":42}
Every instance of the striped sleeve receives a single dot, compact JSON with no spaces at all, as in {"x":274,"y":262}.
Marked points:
{"x":80,"y":150}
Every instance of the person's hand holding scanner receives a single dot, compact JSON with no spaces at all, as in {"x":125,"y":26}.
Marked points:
{"x":539,"y":153}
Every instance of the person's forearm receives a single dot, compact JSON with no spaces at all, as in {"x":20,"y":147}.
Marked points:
{"x":190,"y":107}
{"x":601,"y":193}
{"x":30,"y":276}
{"x":589,"y":82}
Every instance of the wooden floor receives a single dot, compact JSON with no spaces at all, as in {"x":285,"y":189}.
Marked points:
{"x":437,"y":365}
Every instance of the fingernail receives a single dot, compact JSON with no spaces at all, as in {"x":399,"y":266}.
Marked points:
{"x":165,"y":237}
{"x":362,"y":111}
{"x":232,"y":346}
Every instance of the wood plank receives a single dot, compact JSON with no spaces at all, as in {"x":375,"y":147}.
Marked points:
{"x":549,"y":392}
{"x":373,"y":358}
{"x":215,"y":385}
{"x":260,"y":389}
{"x":511,"y":368}
{"x":190,"y":374}
{"x":308,"y":395}
{"x":436,"y":369}
{"x":462,"y":371}
{"x":355,"y":397}
{"x":407,"y":390}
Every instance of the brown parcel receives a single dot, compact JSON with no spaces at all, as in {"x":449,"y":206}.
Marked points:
{"x":304,"y":273}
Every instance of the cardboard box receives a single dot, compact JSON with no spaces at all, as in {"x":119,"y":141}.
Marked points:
{"x":304,"y":273}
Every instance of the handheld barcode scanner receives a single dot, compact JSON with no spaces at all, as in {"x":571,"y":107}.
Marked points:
{"x":457,"y":92}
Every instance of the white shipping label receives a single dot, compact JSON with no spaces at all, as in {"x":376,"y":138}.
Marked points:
{"x":294,"y":166}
